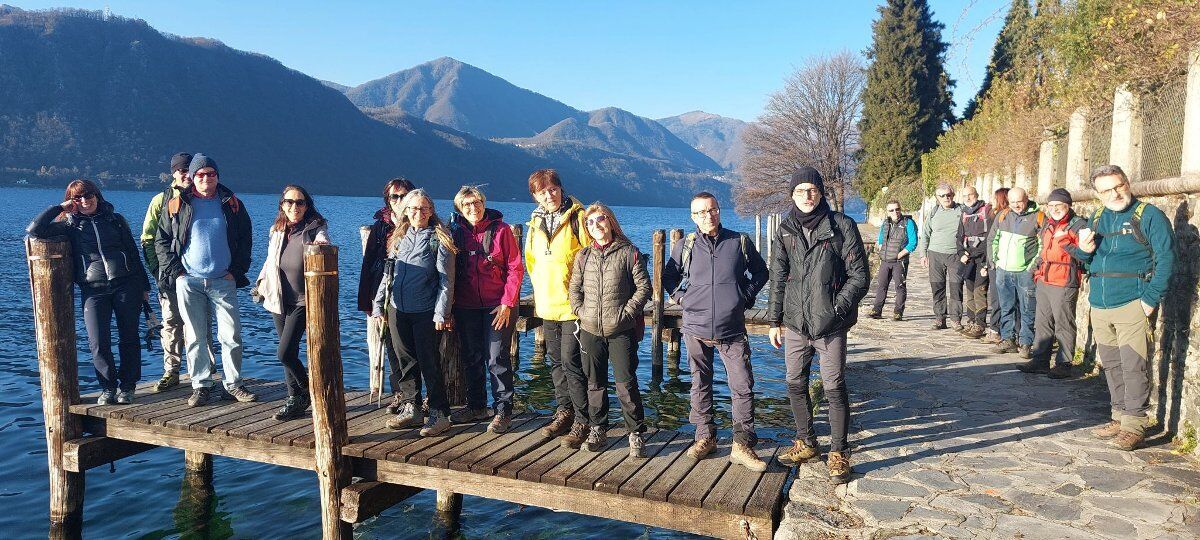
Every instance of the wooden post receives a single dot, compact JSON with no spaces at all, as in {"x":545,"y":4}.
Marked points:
{"x":656,"y":348}
{"x":325,"y":385}
{"x":758,"y":233}
{"x":515,"y":352}
{"x":449,"y":508}
{"x":198,"y":462}
{"x":50,"y":277}
{"x":452,"y":368}
{"x":539,"y":345}
{"x":673,"y":334}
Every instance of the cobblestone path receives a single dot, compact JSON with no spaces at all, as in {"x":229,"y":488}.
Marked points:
{"x":950,"y":441}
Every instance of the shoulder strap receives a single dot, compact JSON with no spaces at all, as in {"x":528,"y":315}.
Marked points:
{"x":174,"y":204}
{"x":685,"y":256}
{"x":488,"y":237}
{"x":1136,"y":222}
{"x":745,"y":244}
{"x":1096,"y":217}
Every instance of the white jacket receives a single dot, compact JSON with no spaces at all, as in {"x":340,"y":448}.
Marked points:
{"x":268,"y":290}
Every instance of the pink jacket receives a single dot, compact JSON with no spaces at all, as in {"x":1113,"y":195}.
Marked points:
{"x":486,"y":277}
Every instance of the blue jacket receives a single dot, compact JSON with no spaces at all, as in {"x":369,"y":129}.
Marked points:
{"x":420,"y":280}
{"x":722,"y":284}
{"x":1119,"y":252}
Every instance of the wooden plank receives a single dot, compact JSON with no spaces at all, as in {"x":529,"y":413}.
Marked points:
{"x":144,"y":415}
{"x":87,"y":401}
{"x":264,"y":391}
{"x":194,"y":421}
{"x":586,"y":476}
{"x":300,"y":458}
{"x":475,"y":435}
{"x":359,"y":444}
{"x":220,"y":425}
{"x":358,"y":417}
{"x":400,"y":449}
{"x":514,"y":464}
{"x":533,"y":470}
{"x":611,"y":481}
{"x":696,"y":484}
{"x":559,"y":474}
{"x":283,"y":432}
{"x":447,"y":458}
{"x":364,"y":500}
{"x":82,"y":454}
{"x":764,"y":502}
{"x":637,"y":485}
{"x":504,"y":442}
{"x":737,"y":484}
{"x":107,"y":411}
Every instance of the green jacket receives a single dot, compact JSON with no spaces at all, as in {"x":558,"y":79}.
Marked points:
{"x":1017,"y":242}
{"x":1119,"y":252}
{"x":150,"y":227}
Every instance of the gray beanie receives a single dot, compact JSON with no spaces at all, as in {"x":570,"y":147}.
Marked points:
{"x":200,"y":161}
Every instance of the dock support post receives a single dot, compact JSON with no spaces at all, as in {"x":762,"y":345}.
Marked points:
{"x":50,"y":276}
{"x":325,"y":385}
{"x":518,"y":231}
{"x":539,"y":346}
{"x":673,"y":334}
{"x":198,"y":463}
{"x":449,"y":509}
{"x":657,"y":257}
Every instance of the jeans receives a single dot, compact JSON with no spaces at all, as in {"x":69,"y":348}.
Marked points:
{"x":894,"y":272}
{"x":290,"y":328}
{"x":199,"y":300}
{"x":566,"y":371}
{"x":122,"y":298}
{"x":171,"y":335}
{"x":1017,"y":299}
{"x":621,"y":350}
{"x":798,"y":356}
{"x":735,"y":354}
{"x":944,"y":281}
{"x":416,"y":342}
{"x":481,"y":345}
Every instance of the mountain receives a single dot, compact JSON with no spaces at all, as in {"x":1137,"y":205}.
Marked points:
{"x":112,"y":98}
{"x":720,"y":138}
{"x":464,"y":97}
{"x":339,"y":87}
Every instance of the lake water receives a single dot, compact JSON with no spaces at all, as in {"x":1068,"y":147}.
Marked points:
{"x":142,"y":498}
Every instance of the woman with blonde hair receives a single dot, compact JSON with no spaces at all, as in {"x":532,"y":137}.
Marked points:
{"x":416,"y":299}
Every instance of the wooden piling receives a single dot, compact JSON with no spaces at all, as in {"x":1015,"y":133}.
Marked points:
{"x":657,"y":256}
{"x":758,"y":232}
{"x":452,"y":368}
{"x":325,"y":385}
{"x":673,"y":335}
{"x":518,"y":231}
{"x":449,"y":509}
{"x":50,"y":281}
{"x":539,"y":345}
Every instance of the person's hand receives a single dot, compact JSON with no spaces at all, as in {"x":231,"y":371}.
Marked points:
{"x":964,"y":259}
{"x":1087,"y":240}
{"x":902,"y":254}
{"x":924,"y":262}
{"x":983,"y":271}
{"x":776,"y":335}
{"x":228,"y":275}
{"x":146,"y":296}
{"x":448,"y":325}
{"x":503,"y":314}
{"x":69,"y":206}
{"x":1146,"y":307}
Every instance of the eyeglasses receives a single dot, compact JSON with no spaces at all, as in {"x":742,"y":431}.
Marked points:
{"x":472,"y":204}
{"x":294,"y":202}
{"x":893,"y":210}
{"x":708,"y":211}
{"x":810,"y":191}
{"x":945,"y":195}
{"x":205,"y":175}
{"x":181,"y":170}
{"x":421,"y":209}
{"x":83,"y":197}
{"x":396,"y":196}
{"x":1113,"y":190}
{"x":596,"y":220}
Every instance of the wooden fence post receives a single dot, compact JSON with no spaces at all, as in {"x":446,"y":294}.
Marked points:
{"x":758,"y":233}
{"x":656,"y":348}
{"x":673,"y":334}
{"x":515,"y":352}
{"x":50,"y":281}
{"x":325,"y":385}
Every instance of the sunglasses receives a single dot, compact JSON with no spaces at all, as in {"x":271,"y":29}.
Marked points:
{"x":294,"y":202}
{"x":945,"y":195}
{"x":597,"y":219}
{"x":83,"y":197}
{"x":205,"y":175}
{"x":396,"y":196}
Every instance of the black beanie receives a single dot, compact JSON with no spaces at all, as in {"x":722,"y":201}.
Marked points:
{"x":200,"y":161}
{"x":806,"y":175}
{"x":1060,"y":195}
{"x":180,"y":161}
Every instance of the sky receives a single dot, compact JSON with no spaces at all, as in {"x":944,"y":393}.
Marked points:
{"x":654,"y":58}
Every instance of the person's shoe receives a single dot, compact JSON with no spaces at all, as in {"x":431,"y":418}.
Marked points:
{"x":1024,"y":351}
{"x":107,"y":397}
{"x":797,"y":454}
{"x":875,"y":315}
{"x":168,"y":381}
{"x":744,"y":455}
{"x":199,"y":397}
{"x":1005,"y":346}
{"x":938,"y":324}
{"x":839,"y":467}
{"x":702,"y":447}
{"x":394,"y":406}
{"x":973,"y":331}
{"x":1033,"y":366}
{"x":123,"y":397}
{"x":597,"y":439}
{"x":293,"y":408}
{"x":436,"y":424}
{"x":241,"y":394}
{"x":561,"y":424}
{"x":991,"y":337}
{"x":467,"y":414}
{"x":574,"y":438}
{"x":1107,"y":431}
{"x":1127,"y":440}
{"x":897,"y":316}
{"x":1060,"y":371}
{"x":637,"y":445}
{"x":406,"y":416}
{"x":500,"y":423}
{"x":956,"y":326}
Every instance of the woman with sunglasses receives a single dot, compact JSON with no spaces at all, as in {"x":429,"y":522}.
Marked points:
{"x":417,"y":304}
{"x":373,"y":264}
{"x":280,"y":288}
{"x":609,"y":288}
{"x":111,"y":280}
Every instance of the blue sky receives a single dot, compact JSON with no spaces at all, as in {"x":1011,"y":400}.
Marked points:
{"x":653,"y":58}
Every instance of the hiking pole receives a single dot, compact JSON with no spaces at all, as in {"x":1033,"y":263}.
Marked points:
{"x":153,"y":325}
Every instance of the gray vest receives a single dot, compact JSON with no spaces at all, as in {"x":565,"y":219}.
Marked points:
{"x":895,"y":236}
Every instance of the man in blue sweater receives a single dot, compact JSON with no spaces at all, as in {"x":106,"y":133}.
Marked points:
{"x":1129,"y":246}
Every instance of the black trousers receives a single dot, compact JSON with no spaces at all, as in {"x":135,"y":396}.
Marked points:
{"x":975,"y":296}
{"x":894,"y":272}
{"x":946,"y":285}
{"x":416,"y":342}
{"x":481,"y":345}
{"x":620,"y":350}
{"x":290,"y":328}
{"x":566,"y":371}
{"x":122,"y":298}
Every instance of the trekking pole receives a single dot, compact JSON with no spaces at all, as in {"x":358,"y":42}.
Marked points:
{"x":153,"y":325}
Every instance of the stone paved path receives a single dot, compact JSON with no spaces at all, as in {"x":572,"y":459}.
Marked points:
{"x":950,"y":441}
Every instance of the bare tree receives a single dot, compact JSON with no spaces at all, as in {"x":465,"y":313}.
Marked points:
{"x":812,"y":121}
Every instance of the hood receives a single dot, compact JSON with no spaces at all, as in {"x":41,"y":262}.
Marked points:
{"x":976,"y":208}
{"x":1033,"y":207}
{"x":104,"y":209}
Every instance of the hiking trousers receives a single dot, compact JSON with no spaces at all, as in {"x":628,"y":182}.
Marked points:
{"x":735,"y":355}
{"x":894,"y":272}
{"x":831,"y":354}
{"x":566,"y":371}
{"x":946,"y":285}
{"x":1055,"y":321}
{"x":975,"y":297}
{"x":171,"y":335}
{"x":1123,"y":344}
{"x":290,"y":327}
{"x":416,"y":342}
{"x":620,"y":350}
{"x":485,"y":354}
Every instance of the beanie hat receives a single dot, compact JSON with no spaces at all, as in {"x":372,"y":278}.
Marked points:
{"x":200,"y":161}
{"x":806,"y":175}
{"x":180,"y":161}
{"x":1060,"y":195}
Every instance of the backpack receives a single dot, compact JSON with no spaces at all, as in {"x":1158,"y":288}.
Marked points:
{"x":1135,"y":221}
{"x":685,"y":262}
{"x":489,"y":236}
{"x":1041,"y":218}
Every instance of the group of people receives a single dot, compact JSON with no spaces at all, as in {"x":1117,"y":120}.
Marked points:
{"x":1009,"y":272}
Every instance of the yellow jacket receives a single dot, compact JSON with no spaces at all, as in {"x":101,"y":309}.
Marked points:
{"x":548,"y":259}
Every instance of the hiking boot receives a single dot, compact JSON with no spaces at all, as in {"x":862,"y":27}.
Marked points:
{"x":744,"y":455}
{"x":956,"y":326}
{"x":938,"y":324}
{"x":973,"y":331}
{"x":1024,"y":351}
{"x":702,"y":447}
{"x":597,"y":439}
{"x":561,"y":424}
{"x":1107,"y":431}
{"x":395,"y":405}
{"x":1005,"y":346}
{"x":897,"y":316}
{"x":107,"y":397}
{"x":168,"y":381}
{"x":797,"y":454}
{"x":1060,"y":371}
{"x":991,"y":337}
{"x":574,"y":439}
{"x":406,"y":416}
{"x":436,"y":424}
{"x":123,"y":397}
{"x":467,"y":414}
{"x":293,"y":408}
{"x":241,"y":394}
{"x":637,"y":445}
{"x":1033,"y":366}
{"x":875,"y":315}
{"x":839,"y":467}
{"x":1127,"y":440}
{"x":500,"y":423}
{"x":199,"y":397}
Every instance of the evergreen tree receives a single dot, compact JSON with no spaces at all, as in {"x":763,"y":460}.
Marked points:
{"x":1011,"y":50}
{"x":906,"y":103}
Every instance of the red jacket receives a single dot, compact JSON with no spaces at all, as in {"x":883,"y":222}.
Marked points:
{"x":486,"y":277}
{"x":1058,"y":263}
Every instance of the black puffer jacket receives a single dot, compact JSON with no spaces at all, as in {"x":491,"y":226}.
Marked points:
{"x":175,"y":225}
{"x":102,"y":244}
{"x":374,"y":255}
{"x":609,"y":288}
{"x":816,"y":290}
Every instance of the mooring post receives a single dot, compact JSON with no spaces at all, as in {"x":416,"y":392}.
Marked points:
{"x":518,"y":231}
{"x":673,"y":334}
{"x":198,"y":463}
{"x":449,"y":509}
{"x":539,"y":346}
{"x":656,"y":348}
{"x":50,"y":281}
{"x":325,"y":385}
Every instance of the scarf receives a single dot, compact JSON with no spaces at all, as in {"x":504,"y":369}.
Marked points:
{"x":810,"y":220}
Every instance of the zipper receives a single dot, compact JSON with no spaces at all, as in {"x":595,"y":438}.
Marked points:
{"x":100,"y":247}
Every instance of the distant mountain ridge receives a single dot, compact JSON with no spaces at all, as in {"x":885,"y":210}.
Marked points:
{"x":718,"y":137}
